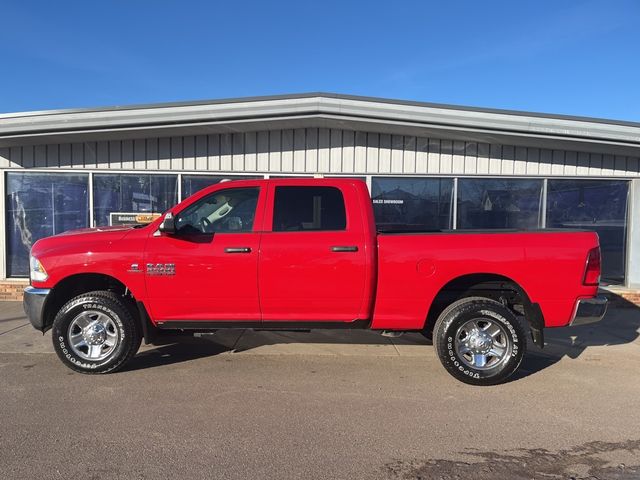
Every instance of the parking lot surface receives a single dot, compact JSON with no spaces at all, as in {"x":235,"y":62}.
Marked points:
{"x":321,"y":405}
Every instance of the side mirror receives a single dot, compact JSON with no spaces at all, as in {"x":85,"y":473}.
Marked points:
{"x":168,"y":225}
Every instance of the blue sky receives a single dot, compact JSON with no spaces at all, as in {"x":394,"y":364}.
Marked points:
{"x":572,"y":57}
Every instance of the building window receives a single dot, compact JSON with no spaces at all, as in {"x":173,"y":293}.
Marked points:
{"x":130,"y":194}
{"x":598,"y":205}
{"x":40,"y":205}
{"x":412,"y":203}
{"x":194,"y":183}
{"x":495,"y":203}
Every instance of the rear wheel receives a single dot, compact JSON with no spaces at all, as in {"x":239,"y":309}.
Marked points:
{"x":96,"y":333}
{"x":479,"y":341}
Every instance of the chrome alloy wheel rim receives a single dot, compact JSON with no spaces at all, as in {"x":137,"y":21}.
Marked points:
{"x":93,"y":335}
{"x":482,"y":344}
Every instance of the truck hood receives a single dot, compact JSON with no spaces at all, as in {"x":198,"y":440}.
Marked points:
{"x":82,"y":240}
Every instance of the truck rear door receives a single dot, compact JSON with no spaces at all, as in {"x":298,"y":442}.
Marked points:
{"x":313,"y":262}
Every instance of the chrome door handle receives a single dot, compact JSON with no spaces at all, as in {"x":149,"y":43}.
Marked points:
{"x":237,"y":250}
{"x":351,"y":248}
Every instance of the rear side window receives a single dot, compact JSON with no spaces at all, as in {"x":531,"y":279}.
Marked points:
{"x":298,"y":209}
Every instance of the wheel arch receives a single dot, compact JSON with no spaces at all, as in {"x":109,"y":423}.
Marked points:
{"x":490,"y":285}
{"x":77,"y":284}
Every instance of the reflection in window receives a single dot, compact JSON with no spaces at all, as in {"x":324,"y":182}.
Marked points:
{"x":598,"y":205}
{"x":497,"y":203}
{"x":228,"y":210}
{"x":38,"y":206}
{"x":132,"y":194}
{"x":194,"y":183}
{"x":412,"y":203}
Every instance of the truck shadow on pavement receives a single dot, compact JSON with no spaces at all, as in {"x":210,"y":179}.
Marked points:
{"x":620,"y":326}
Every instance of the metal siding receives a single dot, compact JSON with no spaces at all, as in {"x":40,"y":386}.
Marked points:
{"x":189,"y":153}
{"x":557,"y":162}
{"x":520,"y":162}
{"x":213,"y":152}
{"x":470,"y":158}
{"x":237,"y":152}
{"x":373,"y":152}
{"x":152,"y":146}
{"x":508,"y":160}
{"x":446,"y":156}
{"x":201,"y":153}
{"x":263,"y":151}
{"x":397,"y":152}
{"x":319,"y":150}
{"x":335,"y":152}
{"x":384,"y":154}
{"x":360,"y":152}
{"x":4,"y":157}
{"x":127,"y":154}
{"x":15,"y":157}
{"x":434,"y":156}
{"x":533,"y":161}
{"x":250,"y":146}
{"x":226,"y":152}
{"x":348,"y":151}
{"x":495,"y":159}
{"x":275,"y":137}
{"x":458,"y":157}
{"x":484,"y":150}
{"x":311,"y":149}
{"x":287,"y":151}
{"x":570,"y":163}
{"x":323,"y":149}
{"x":546,"y":159}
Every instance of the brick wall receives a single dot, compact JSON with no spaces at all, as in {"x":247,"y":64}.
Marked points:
{"x":12,"y":289}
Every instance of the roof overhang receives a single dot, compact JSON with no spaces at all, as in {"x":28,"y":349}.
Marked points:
{"x":324,"y":111}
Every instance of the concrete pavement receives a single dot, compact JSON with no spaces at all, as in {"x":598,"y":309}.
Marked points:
{"x":327,"y":404}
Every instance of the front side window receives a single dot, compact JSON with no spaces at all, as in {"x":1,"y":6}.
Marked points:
{"x":298,"y":209}
{"x":227,"y":211}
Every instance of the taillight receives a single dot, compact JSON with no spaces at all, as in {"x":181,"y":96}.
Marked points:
{"x":594,"y":265}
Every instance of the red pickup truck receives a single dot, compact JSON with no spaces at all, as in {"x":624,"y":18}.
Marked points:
{"x":304,"y":253}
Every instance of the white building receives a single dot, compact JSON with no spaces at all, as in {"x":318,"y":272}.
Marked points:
{"x":428,"y":166}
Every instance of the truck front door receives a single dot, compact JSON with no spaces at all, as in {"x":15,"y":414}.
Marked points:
{"x":207,"y":269}
{"x":313,"y":264}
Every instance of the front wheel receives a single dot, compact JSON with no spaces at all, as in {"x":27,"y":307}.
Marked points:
{"x":95,"y":333}
{"x":479,"y":341}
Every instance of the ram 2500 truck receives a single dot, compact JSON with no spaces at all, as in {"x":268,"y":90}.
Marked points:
{"x":304,"y":253}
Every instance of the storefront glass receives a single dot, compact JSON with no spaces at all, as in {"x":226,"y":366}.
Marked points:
{"x":40,"y":205}
{"x":412,"y":203}
{"x":487,"y":203}
{"x":598,"y":205}
{"x":193,"y":183}
{"x":126,"y":193}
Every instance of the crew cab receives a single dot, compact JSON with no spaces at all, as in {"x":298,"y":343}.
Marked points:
{"x":305,"y":253}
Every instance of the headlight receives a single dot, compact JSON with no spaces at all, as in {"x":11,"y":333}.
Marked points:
{"x":36,"y":270}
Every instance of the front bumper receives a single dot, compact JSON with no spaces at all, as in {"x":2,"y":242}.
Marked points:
{"x":589,"y":310}
{"x":33,"y":303}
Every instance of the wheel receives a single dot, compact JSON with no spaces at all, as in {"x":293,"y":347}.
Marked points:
{"x":479,"y":341}
{"x":95,"y":333}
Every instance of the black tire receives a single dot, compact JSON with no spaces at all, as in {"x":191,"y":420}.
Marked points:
{"x":477,"y":329}
{"x":119,"y":328}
